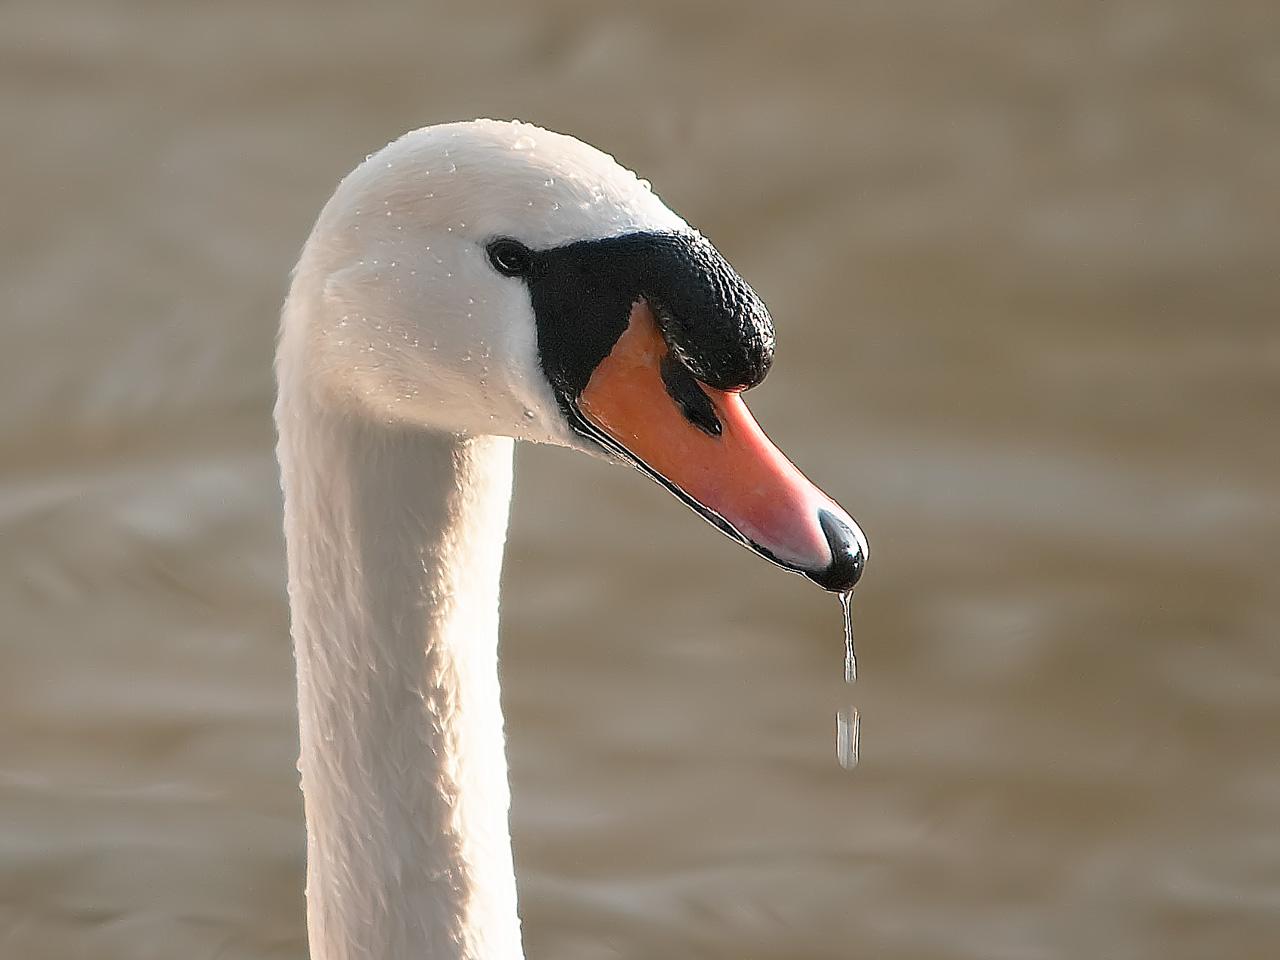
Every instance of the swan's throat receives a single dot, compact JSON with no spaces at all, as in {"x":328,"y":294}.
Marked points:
{"x":395,"y":545}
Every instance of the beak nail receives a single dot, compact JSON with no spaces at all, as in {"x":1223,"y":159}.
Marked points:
{"x":848,"y":553}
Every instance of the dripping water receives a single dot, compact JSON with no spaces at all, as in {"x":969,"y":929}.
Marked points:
{"x":847,"y":719}
{"x":850,"y":658}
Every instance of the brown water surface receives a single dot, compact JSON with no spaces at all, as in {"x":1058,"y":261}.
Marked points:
{"x":1023,"y":261}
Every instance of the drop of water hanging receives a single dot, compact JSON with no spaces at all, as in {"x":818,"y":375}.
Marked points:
{"x":850,"y":658}
{"x":847,"y":724}
{"x":847,"y":719}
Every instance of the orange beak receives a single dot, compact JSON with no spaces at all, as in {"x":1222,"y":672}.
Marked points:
{"x":714,"y":456}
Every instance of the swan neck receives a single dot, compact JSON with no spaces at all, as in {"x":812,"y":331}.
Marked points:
{"x":395,"y":542}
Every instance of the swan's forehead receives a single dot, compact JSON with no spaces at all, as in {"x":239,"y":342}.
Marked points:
{"x":486,"y":179}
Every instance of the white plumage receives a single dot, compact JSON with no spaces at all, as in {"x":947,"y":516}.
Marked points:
{"x":405,"y":365}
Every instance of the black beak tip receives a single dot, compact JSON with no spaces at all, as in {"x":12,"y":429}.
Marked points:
{"x":848,"y":554}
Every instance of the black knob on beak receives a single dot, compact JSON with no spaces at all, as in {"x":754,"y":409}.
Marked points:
{"x":848,"y":554}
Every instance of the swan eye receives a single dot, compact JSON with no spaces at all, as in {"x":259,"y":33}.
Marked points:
{"x":511,"y":258}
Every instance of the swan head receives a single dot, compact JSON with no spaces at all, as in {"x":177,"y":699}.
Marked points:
{"x":495,"y":278}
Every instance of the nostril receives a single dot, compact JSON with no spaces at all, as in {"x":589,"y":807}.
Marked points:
{"x":848,"y":554}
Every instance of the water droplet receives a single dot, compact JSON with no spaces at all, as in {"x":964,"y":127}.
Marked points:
{"x":850,"y":659}
{"x":847,"y":730}
{"x":549,"y":182}
{"x":529,"y":414}
{"x":525,"y":142}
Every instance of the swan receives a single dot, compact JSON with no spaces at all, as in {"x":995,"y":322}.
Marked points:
{"x":469,"y":285}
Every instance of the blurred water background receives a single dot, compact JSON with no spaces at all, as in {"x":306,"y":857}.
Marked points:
{"x":1023,"y":263}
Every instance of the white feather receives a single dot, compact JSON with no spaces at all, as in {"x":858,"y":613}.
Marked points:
{"x":406,"y":364}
